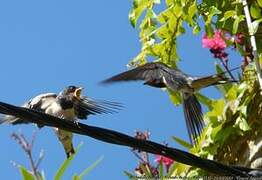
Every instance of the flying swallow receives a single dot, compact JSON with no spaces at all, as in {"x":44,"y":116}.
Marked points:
{"x":69,"y":105}
{"x":159,"y":75}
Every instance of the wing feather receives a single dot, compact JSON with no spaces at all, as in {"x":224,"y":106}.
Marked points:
{"x":39,"y":103}
{"x":155,"y":74}
{"x":86,"y":106}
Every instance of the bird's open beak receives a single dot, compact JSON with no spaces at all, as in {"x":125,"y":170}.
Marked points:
{"x":77,"y":92}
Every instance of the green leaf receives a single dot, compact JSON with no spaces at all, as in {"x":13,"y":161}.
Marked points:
{"x":224,"y":88}
{"x":182,"y":142}
{"x":177,"y":170}
{"x":241,"y":121}
{"x":146,"y":170}
{"x":26,"y":174}
{"x":212,"y":11}
{"x":219,"y":69}
{"x":217,"y":108}
{"x":91,"y":167}
{"x":138,"y":8}
{"x":65,"y":164}
{"x":227,"y":15}
{"x":255,"y":25}
{"x":161,"y":170}
{"x":177,"y":10}
{"x":129,"y":175}
{"x":215,"y":131}
{"x":236,"y":23}
{"x":224,"y":134}
{"x":192,"y":10}
{"x":232,"y":93}
{"x":76,"y":177}
{"x":196,"y":29}
{"x":42,"y":175}
{"x":259,"y":2}
{"x":204,"y":100}
{"x":175,"y":97}
{"x":255,"y":10}
{"x":209,"y":30}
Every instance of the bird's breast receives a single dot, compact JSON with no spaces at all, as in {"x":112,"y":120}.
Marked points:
{"x":56,"y":110}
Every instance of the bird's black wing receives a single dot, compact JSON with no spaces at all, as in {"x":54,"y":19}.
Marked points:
{"x":154,"y":74}
{"x":86,"y":106}
{"x":39,"y":103}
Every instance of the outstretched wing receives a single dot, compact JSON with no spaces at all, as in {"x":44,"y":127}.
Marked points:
{"x":86,"y":106}
{"x":154,"y":74}
{"x":151,"y":73}
{"x":39,"y":103}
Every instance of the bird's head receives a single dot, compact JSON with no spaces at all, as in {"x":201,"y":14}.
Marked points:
{"x":73,"y":90}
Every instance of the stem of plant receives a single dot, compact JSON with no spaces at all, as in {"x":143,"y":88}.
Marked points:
{"x":227,"y":69}
{"x":32,"y":164}
{"x":253,"y":42}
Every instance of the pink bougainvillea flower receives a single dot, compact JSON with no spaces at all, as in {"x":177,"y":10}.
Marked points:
{"x":239,"y":39}
{"x":215,"y":42}
{"x":216,"y":45}
{"x":166,"y":161}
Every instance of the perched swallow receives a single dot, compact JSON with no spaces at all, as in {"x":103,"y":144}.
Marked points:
{"x":69,"y":105}
{"x":114,"y":137}
{"x":159,"y":75}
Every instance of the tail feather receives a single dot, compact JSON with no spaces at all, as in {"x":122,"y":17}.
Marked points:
{"x":202,"y":82}
{"x":193,"y":116}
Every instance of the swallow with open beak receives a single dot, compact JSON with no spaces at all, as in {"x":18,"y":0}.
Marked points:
{"x":159,"y":75}
{"x":69,"y":105}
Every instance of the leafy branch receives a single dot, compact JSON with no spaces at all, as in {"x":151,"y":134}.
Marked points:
{"x":252,"y":32}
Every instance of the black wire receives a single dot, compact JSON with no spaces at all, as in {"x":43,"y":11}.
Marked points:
{"x":118,"y":138}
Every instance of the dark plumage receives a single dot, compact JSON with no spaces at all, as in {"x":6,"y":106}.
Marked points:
{"x":160,"y":75}
{"x":69,"y":105}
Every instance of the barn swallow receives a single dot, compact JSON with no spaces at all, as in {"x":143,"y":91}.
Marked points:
{"x":159,"y":75}
{"x":69,"y":105}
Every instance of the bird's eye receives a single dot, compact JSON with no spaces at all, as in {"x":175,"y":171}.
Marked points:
{"x":71,"y":88}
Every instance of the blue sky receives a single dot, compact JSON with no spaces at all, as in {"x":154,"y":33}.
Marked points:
{"x":47,"y":45}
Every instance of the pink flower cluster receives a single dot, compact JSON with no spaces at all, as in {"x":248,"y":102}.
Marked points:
{"x":216,"y":44}
{"x":166,"y":161}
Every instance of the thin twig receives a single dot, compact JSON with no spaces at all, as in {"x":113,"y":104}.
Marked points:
{"x":138,"y":156}
{"x":252,"y":41}
{"x":27,"y":147}
{"x":227,"y":69}
{"x":41,"y":157}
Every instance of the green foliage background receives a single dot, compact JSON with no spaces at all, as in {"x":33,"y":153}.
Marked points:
{"x":233,"y":128}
